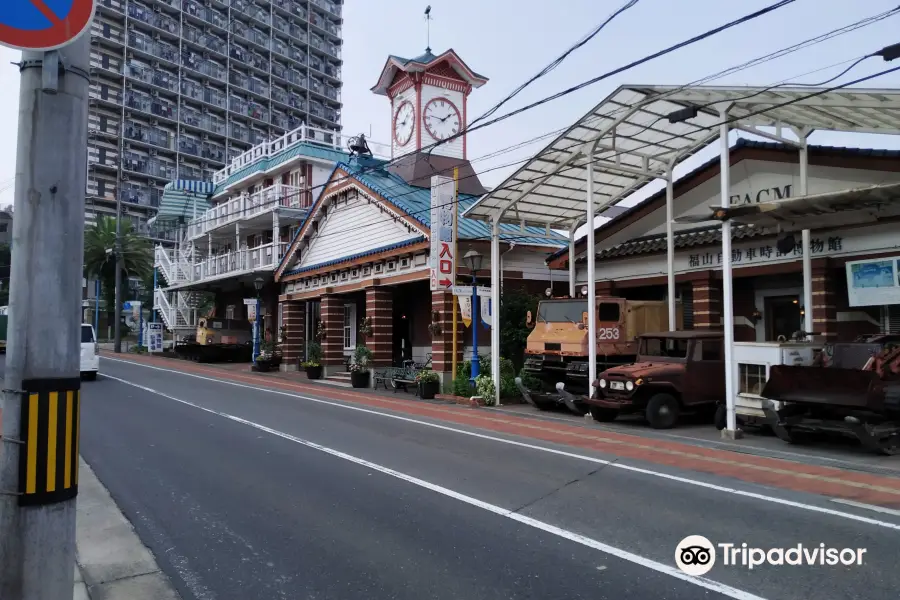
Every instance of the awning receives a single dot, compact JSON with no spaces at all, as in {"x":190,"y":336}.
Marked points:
{"x":820,"y":211}
{"x":182,"y":199}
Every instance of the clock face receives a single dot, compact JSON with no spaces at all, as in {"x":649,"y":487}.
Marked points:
{"x":404,"y":122}
{"x":441,"y":119}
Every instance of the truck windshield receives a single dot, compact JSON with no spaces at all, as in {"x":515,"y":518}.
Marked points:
{"x":561,"y":311}
{"x":664,"y":347}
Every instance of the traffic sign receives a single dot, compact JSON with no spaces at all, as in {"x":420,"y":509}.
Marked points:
{"x":43,"y":24}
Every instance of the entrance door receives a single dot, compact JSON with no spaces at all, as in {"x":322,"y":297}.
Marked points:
{"x":783,"y":317}
{"x":313,"y":318}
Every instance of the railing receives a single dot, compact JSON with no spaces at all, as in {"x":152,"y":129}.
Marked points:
{"x":304,"y":134}
{"x":249,"y":259}
{"x":248,"y":206}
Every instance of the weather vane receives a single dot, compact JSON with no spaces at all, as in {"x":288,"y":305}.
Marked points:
{"x":428,"y":28}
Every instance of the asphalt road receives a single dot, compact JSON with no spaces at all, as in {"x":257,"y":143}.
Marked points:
{"x":243,"y":494}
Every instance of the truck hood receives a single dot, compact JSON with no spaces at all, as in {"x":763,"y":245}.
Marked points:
{"x":570,"y":338}
{"x":643,"y":370}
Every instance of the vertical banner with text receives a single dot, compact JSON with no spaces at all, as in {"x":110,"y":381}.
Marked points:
{"x":443,"y":215}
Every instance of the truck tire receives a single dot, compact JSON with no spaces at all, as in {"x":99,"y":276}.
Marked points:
{"x":720,"y":420}
{"x":662,"y":411}
{"x":604,"y":415}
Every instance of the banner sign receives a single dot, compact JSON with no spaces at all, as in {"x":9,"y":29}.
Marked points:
{"x":155,"y":337}
{"x":484,"y":303}
{"x":443,"y":245}
{"x":873,"y":282}
{"x":465,"y":309}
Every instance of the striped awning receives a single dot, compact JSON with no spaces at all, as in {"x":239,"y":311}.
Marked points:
{"x":182,"y":199}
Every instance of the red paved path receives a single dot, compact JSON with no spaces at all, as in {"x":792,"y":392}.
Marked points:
{"x":827,"y":481}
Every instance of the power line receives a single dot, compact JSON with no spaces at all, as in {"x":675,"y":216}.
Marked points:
{"x":668,"y":50}
{"x":558,"y":61}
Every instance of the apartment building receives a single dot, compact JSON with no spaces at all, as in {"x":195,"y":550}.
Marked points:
{"x":180,"y":88}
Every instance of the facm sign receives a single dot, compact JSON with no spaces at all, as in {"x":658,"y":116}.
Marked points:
{"x":443,"y":229}
{"x":43,"y":24}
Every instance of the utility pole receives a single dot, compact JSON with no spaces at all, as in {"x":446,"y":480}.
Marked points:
{"x":39,"y":444}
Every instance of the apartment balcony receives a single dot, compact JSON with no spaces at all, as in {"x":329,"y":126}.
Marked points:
{"x":258,"y":112}
{"x":203,"y":93}
{"x":207,"y":14}
{"x":156,"y":49}
{"x":197,"y":63}
{"x":105,"y":93}
{"x":149,"y":166}
{"x":258,"y":87}
{"x":208,"y":41}
{"x":147,"y":15}
{"x":141,"y":196}
{"x":189,"y":146}
{"x":330,"y":7}
{"x":213,"y":152}
{"x":114,"y":5}
{"x":304,"y":134}
{"x":190,"y":172}
{"x":258,"y":206}
{"x":151,"y":105}
{"x":240,"y":262}
{"x":250,"y":9}
{"x":150,"y":135}
{"x":206,"y":122}
{"x":161,"y":79}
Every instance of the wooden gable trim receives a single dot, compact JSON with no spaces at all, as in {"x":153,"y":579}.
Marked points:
{"x":345,"y":182}
{"x":357,"y":286}
{"x":826,"y":157}
{"x":362,"y":260}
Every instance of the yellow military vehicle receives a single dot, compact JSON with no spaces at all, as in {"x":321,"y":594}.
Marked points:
{"x":556,"y":351}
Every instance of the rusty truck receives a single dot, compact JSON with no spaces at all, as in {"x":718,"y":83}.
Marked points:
{"x":556,"y":351}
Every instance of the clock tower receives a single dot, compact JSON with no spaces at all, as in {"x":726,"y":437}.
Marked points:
{"x":428,"y":97}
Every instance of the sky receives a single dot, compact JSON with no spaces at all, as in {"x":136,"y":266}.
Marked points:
{"x":508,"y":41}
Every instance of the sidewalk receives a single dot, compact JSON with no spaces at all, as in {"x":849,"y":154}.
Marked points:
{"x":791,"y":472}
{"x":111,"y":561}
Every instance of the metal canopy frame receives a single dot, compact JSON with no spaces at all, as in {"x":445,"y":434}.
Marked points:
{"x":641,"y":133}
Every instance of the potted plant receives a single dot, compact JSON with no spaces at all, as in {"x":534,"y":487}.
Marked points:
{"x":429,"y":384}
{"x":269,"y":357}
{"x":313,"y":364}
{"x":359,"y":369}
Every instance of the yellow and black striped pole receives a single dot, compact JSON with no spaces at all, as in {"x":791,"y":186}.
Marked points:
{"x":48,"y":459}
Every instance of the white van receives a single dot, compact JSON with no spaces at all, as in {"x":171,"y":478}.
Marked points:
{"x":90,"y":353}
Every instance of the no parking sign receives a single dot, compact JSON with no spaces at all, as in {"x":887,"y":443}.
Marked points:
{"x":43,"y":24}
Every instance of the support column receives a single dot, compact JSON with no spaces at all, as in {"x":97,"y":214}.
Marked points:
{"x":293,"y":343}
{"x":380,"y":308}
{"x":442,"y":344}
{"x":572,"y":284}
{"x":333,"y":325}
{"x":727,"y":292}
{"x":670,"y":248}
{"x":807,"y":255}
{"x":591,"y":279}
{"x":823,"y":311}
{"x":707,"y":297}
{"x":495,"y":308}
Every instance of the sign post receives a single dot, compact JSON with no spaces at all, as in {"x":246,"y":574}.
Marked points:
{"x":37,"y":510}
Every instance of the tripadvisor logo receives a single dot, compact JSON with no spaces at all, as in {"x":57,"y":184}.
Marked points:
{"x":696,"y":555}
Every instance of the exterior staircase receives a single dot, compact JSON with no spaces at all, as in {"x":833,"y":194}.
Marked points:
{"x":338,"y":379}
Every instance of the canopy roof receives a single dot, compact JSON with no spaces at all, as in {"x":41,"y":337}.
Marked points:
{"x":631,"y":141}
{"x":819,"y":211}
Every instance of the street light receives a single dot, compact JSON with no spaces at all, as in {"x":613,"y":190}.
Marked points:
{"x":473,"y":260}
{"x":258,"y":283}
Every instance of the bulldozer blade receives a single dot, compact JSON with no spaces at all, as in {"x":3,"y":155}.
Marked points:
{"x":819,"y":385}
{"x":525,"y":393}
{"x":570,"y":401}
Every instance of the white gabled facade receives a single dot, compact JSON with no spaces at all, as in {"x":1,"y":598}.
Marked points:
{"x":259,"y":202}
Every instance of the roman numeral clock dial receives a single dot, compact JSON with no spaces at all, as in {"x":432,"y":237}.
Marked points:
{"x":404,"y":123}
{"x":442,"y":119}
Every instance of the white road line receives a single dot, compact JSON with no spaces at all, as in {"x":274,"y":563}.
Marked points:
{"x":881,"y":509}
{"x":665,"y":569}
{"x":611,"y":464}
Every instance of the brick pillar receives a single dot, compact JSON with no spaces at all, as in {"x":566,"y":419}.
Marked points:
{"x":333,"y":325}
{"x":707,"y":295}
{"x":824,"y":298}
{"x":380,"y":308}
{"x":442,"y":345}
{"x":293,"y":344}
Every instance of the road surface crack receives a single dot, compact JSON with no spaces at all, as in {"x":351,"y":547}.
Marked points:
{"x":563,"y":486}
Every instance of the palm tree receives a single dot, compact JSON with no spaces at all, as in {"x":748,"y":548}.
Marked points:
{"x":100,"y":262}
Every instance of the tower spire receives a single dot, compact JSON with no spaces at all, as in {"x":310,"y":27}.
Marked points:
{"x":428,"y":28}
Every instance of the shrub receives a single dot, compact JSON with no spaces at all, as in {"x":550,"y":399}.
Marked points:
{"x":314,"y":355}
{"x":484,"y":385}
{"x":427,"y":376}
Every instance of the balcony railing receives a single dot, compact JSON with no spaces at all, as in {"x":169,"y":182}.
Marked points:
{"x":150,"y":46}
{"x":210,"y":15}
{"x":152,"y":76}
{"x":147,"y":15}
{"x":150,"y":135}
{"x":304,"y":134}
{"x":142,"y":196}
{"x":203,"y":93}
{"x":240,"y":261}
{"x":149,"y":104}
{"x":149,"y":166}
{"x":248,"y":206}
